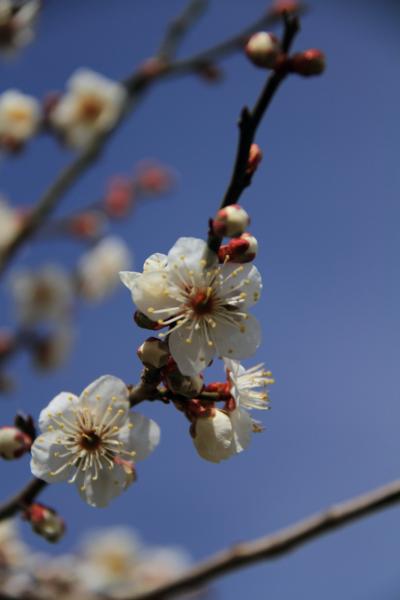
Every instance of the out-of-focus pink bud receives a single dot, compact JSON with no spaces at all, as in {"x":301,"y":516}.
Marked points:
{"x":263,"y":49}
{"x":152,"y":67}
{"x":308,"y":63}
{"x":154,"y":353}
{"x":284,"y":6}
{"x":241,"y":250}
{"x":89,"y":224}
{"x":255,"y":157}
{"x":230,"y":221}
{"x":13,"y":443}
{"x":45,"y":522}
{"x":119,"y":197}
{"x":154,"y":178}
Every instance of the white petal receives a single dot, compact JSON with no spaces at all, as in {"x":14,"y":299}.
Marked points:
{"x":128,"y":278}
{"x":233,"y":342}
{"x":106,"y":391}
{"x":109,"y":484}
{"x":189,"y":253}
{"x":150,"y":293}
{"x":143,"y":437}
{"x":63,"y":403}
{"x":156,"y":262}
{"x":242,"y":429}
{"x":44,"y":461}
{"x":247,"y":279}
{"x":213,"y":437}
{"x":191,"y":358}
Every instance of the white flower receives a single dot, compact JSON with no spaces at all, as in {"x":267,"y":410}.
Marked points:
{"x":46,"y":294}
{"x":16,"y":24}
{"x":205,"y":308}
{"x":245,"y":384}
{"x":9,"y":224}
{"x":92,"y":106}
{"x":19,"y":117}
{"x":98,"y":269}
{"x":55,"y":348}
{"x":13,"y":552}
{"x":92,"y":441}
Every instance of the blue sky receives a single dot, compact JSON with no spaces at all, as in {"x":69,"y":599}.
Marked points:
{"x":325,"y":209}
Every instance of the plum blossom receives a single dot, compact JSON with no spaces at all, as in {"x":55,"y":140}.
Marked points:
{"x":205,"y":307}
{"x":91,"y":106}
{"x":17,"y":24}
{"x":19,"y":118}
{"x":99,"y":267}
{"x":93,"y":441}
{"x":9,"y":223}
{"x":218,"y":434}
{"x":42,"y":295}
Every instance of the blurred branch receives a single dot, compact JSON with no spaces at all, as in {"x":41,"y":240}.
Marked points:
{"x":280,"y":543}
{"x":179,"y":27}
{"x":248,"y":125}
{"x":136,"y":85}
{"x":22,"y":499}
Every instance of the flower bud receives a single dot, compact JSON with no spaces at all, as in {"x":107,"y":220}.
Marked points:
{"x":45,"y":522}
{"x":119,"y":197}
{"x":263,"y":49}
{"x":183,"y":385}
{"x":230,"y":221}
{"x":154,"y":353}
{"x":308,"y":63}
{"x":154,"y":178}
{"x":255,"y":157}
{"x":285,"y":6}
{"x":89,"y":224}
{"x":212,"y":436}
{"x":144,"y":322}
{"x":13,"y":443}
{"x":242,"y":250}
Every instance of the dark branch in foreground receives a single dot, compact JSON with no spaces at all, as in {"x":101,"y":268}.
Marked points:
{"x":136,"y":85}
{"x":280,"y":543}
{"x":22,"y":499}
{"x":248,"y":125}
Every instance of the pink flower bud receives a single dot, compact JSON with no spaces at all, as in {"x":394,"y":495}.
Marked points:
{"x":45,"y":522}
{"x":263,"y":49}
{"x":154,"y":178}
{"x":154,"y":353}
{"x":284,"y":6}
{"x":255,"y":157}
{"x":241,"y":250}
{"x":119,"y":197}
{"x":13,"y":443}
{"x":308,"y":63}
{"x":230,"y":221}
{"x":88,"y":224}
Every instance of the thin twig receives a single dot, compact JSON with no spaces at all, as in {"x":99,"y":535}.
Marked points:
{"x":22,"y":499}
{"x":280,"y":543}
{"x":248,"y":124}
{"x":179,"y":27}
{"x":136,"y":85}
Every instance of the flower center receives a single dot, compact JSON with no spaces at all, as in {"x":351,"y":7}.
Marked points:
{"x":90,"y":109}
{"x":202,"y":302}
{"x":89,"y":441}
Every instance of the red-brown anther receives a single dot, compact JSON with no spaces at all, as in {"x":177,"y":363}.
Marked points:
{"x":45,"y":522}
{"x":308,"y":63}
{"x":119,"y":197}
{"x":255,"y":157}
{"x":13,"y":443}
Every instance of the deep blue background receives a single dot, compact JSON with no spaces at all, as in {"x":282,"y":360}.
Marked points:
{"x":325,"y":208}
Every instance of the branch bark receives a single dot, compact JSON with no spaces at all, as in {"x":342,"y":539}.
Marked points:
{"x":280,"y":543}
{"x":22,"y":499}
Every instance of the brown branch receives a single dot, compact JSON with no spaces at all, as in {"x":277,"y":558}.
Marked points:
{"x":248,"y":124}
{"x":22,"y":499}
{"x":136,"y":85}
{"x":280,"y":543}
{"x":179,"y":27}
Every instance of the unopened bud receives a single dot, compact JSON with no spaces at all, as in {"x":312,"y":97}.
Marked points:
{"x":154,"y":353}
{"x":308,"y":63}
{"x":230,"y":221}
{"x":45,"y":522}
{"x":184,"y":385}
{"x":263,"y":49}
{"x":154,"y":178}
{"x":119,"y":197}
{"x":144,"y":322}
{"x":89,"y":224}
{"x":241,"y":250}
{"x":13,"y":443}
{"x":285,"y":6}
{"x":255,"y":157}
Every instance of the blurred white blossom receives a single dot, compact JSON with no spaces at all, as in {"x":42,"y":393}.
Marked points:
{"x":17,"y":24}
{"x":204,"y":306}
{"x":98,"y":269}
{"x":43,"y":295}
{"x":91,"y":106}
{"x":93,"y":441}
{"x":19,"y":118}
